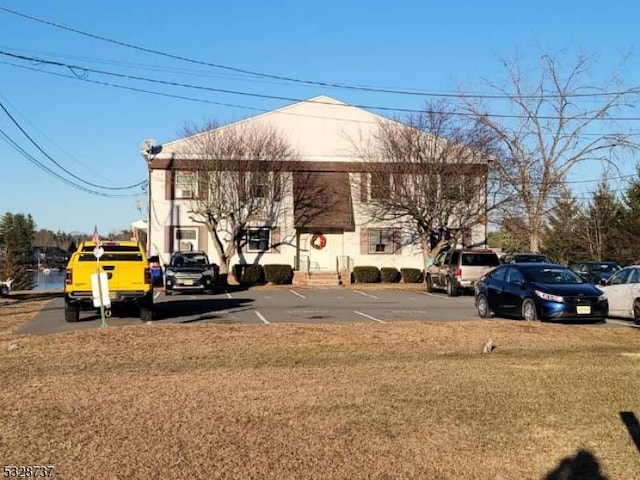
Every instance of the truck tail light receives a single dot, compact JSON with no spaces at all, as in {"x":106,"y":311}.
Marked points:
{"x":458,"y":272}
{"x":68,"y":279}
{"x":147,"y":276}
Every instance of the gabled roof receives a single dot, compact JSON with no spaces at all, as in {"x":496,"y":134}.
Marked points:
{"x":321,"y":127}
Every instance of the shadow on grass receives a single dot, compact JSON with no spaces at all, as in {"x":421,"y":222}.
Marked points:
{"x":581,"y":466}
{"x":633,"y":427}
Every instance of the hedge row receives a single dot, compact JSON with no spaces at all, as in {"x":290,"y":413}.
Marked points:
{"x":253,"y":274}
{"x":369,"y":274}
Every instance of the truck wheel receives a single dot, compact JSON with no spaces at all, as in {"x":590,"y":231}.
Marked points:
{"x":452,"y":291}
{"x":429,"y":283}
{"x":146,"y":309}
{"x":71,"y":312}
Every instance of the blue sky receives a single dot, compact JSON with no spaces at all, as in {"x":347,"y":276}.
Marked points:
{"x":95,"y":131}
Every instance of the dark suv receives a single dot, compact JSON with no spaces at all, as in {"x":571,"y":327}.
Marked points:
{"x":527,"y":257}
{"x":190,"y":271}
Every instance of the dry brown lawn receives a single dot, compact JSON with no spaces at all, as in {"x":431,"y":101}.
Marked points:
{"x":353,"y":401}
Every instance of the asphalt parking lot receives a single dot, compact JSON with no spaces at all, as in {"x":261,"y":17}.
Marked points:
{"x":280,"y":305}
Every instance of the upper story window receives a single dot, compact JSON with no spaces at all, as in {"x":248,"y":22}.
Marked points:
{"x":380,"y":185}
{"x":186,"y":184}
{"x":260,"y":185}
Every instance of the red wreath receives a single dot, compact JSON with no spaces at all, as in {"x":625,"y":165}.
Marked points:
{"x":318,"y":241}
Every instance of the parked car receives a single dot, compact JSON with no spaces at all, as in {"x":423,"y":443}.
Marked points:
{"x":595,"y":272}
{"x":524,"y":258}
{"x":544,"y":291}
{"x":190,"y":271}
{"x":623,"y":291}
{"x":458,"y":270}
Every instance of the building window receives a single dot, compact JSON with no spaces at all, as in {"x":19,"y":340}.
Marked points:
{"x":186,"y":184}
{"x":261,"y":185}
{"x":186,"y":238}
{"x":380,"y":185}
{"x":381,"y":240}
{"x":258,"y":239}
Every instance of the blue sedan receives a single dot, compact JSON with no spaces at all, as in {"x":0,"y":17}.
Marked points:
{"x":542,"y":291}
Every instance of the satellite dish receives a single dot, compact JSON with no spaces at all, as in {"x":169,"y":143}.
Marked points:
{"x":148,"y":144}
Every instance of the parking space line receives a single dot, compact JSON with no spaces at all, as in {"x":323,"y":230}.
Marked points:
{"x":228,"y":294}
{"x":620,"y":322}
{"x":434,"y":295}
{"x":155,"y":296}
{"x":262,"y":317}
{"x":297,"y":294}
{"x":365,"y":294}
{"x":369,"y":317}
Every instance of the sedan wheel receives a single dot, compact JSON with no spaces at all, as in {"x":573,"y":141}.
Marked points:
{"x":529,"y":310}
{"x":482,"y":305}
{"x":636,"y":312}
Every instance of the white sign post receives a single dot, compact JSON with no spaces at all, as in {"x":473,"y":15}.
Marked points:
{"x":100,"y":286}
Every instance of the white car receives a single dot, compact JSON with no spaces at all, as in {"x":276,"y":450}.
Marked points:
{"x":623,"y":291}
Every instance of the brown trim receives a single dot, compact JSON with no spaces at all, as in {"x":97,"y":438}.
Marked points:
{"x":275,"y":240}
{"x":364,"y":241}
{"x":168,"y":239}
{"x":315,"y":166}
{"x":202,"y":238}
{"x":364,"y":187}
{"x":397,"y":241}
{"x":277,"y":186}
{"x":169,"y":185}
{"x":203,"y":185}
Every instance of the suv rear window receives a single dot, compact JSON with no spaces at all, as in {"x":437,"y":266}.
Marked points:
{"x":480,"y":259}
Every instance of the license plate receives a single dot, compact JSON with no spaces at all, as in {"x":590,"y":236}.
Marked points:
{"x":188,"y":282}
{"x":583,"y":309}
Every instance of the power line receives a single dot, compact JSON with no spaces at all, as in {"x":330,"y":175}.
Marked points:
{"x":235,"y":105}
{"x":294,"y":79}
{"x":80,"y":70}
{"x":46,"y":169}
{"x":34,"y":143}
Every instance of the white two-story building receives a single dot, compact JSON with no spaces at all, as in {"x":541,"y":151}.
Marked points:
{"x":321,"y":223}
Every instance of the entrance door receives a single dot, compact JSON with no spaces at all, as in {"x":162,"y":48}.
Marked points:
{"x":322,"y":253}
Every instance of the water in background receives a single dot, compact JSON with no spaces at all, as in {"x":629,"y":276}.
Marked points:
{"x":48,"y":279}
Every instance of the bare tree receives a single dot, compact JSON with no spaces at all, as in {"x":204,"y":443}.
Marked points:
{"x":547,"y":128}
{"x":240,"y":173}
{"x":430,"y":174}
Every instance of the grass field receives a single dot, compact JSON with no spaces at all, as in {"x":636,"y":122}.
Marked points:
{"x":355,"y":401}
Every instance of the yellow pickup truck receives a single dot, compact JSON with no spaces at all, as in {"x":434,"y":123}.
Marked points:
{"x":128,"y":277}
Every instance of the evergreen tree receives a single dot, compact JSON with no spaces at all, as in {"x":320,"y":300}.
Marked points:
{"x":604,"y":228}
{"x":514,"y":234}
{"x":628,"y":245}
{"x":565,"y":236}
{"x":17,"y":233}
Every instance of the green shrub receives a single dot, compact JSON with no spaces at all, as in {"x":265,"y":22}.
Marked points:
{"x":389,"y":275}
{"x":366,"y":274}
{"x":237,"y":270}
{"x":278,"y":274}
{"x":411,"y":275}
{"x":248,"y":274}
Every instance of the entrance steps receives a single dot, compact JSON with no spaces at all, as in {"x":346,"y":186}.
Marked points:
{"x":316,"y":279}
